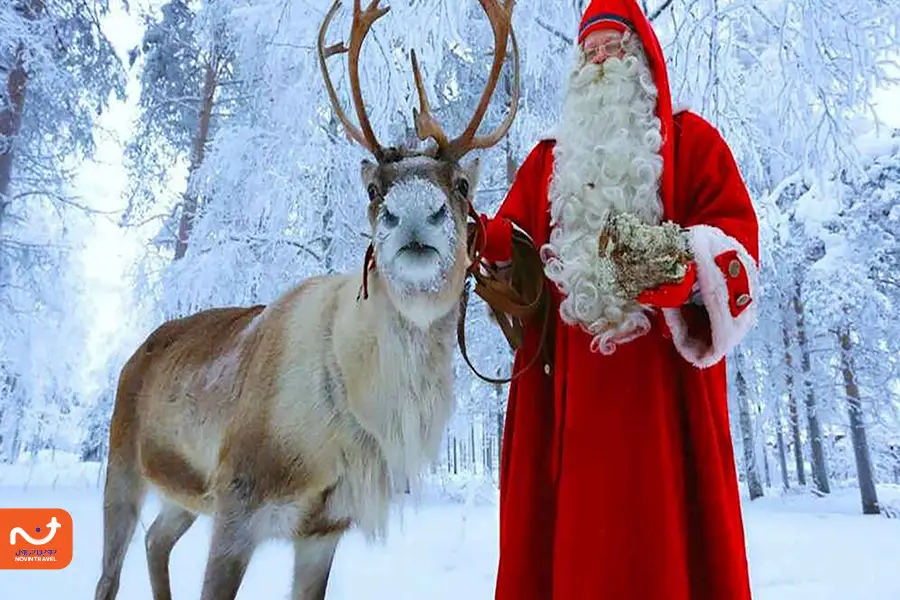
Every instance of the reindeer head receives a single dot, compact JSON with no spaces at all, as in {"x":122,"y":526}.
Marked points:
{"x":419,"y":201}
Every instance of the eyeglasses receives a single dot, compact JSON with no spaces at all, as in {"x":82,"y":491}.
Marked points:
{"x":611,"y":47}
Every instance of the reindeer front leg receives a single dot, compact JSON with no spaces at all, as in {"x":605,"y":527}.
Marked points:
{"x":315,"y":543}
{"x":313,"y":557}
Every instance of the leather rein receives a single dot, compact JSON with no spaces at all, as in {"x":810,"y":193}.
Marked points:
{"x":512,"y":299}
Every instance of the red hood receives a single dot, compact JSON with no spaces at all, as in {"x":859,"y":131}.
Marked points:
{"x":626,"y":14}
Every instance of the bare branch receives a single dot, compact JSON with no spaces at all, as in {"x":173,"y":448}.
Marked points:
{"x":555,"y":32}
{"x":660,"y":10}
{"x":67,"y":201}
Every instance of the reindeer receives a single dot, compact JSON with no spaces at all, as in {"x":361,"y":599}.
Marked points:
{"x":304,"y":418}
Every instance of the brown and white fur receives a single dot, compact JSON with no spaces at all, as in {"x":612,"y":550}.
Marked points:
{"x":606,"y":159}
{"x":302,"y":418}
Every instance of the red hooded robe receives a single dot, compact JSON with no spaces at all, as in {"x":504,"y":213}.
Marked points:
{"x":618,"y":479}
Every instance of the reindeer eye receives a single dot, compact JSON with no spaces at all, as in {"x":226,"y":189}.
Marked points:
{"x":462,"y":187}
{"x":389,"y":218}
{"x":438,"y":215}
{"x":373,"y":192}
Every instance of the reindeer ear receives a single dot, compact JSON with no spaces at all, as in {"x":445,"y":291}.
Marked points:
{"x":465,"y":178}
{"x":367,"y":170}
{"x":473,"y":171}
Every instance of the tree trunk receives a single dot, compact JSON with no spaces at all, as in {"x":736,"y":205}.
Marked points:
{"x":895,"y":454}
{"x":473,"y":455}
{"x":819,"y":470}
{"x":746,"y":423}
{"x":328,"y":228}
{"x":189,"y":200}
{"x":11,"y":115}
{"x":488,"y":452}
{"x":866,"y":479}
{"x":793,"y":413}
{"x":11,"y":124}
{"x":328,"y":236}
{"x":11,"y":425}
{"x":511,"y":165}
{"x":501,"y":413}
{"x":94,"y":445}
{"x":782,"y":454}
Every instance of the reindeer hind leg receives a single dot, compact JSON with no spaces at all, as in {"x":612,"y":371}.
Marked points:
{"x":171,"y":523}
{"x":125,"y":487}
{"x":123,"y":495}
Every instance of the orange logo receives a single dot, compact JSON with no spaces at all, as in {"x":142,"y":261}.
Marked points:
{"x":35,"y":538}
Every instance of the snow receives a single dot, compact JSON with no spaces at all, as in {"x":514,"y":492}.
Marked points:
{"x":875,"y":144}
{"x":807,"y":547}
{"x":818,"y":205}
{"x":837,"y":253}
{"x":800,"y":547}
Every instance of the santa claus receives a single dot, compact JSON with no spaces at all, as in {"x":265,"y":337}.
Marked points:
{"x":617,"y":477}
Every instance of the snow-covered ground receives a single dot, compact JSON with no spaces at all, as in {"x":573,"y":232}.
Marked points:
{"x":800,"y":547}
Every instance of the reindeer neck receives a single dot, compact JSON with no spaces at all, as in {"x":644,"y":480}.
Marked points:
{"x":407,"y":398}
{"x":408,"y":326}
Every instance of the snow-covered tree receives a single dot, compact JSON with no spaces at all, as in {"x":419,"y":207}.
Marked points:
{"x":58,"y":73}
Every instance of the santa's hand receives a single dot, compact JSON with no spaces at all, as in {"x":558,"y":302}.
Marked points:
{"x":671,"y":295}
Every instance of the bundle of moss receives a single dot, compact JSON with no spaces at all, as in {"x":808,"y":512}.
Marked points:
{"x":644,"y":256}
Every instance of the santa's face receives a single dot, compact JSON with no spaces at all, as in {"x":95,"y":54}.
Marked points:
{"x":606,"y":161}
{"x":602,"y":44}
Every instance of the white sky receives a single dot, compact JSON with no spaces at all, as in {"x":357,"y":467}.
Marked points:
{"x":111,"y":251}
{"x":887,"y":103}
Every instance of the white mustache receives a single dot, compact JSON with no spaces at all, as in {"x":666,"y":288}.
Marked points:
{"x":587,"y":74}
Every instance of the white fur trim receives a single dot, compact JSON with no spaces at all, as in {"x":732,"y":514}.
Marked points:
{"x":707,"y":243}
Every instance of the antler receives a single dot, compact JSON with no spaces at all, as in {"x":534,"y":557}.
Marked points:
{"x":426,"y":125}
{"x":500,"y":16}
{"x":362,"y":23}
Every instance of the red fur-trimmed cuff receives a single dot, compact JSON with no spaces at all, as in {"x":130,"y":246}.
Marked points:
{"x":498,"y":243}
{"x":498,"y":239}
{"x":728,"y":279}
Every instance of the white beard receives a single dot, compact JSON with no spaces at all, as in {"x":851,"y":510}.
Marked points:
{"x":606,"y":160}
